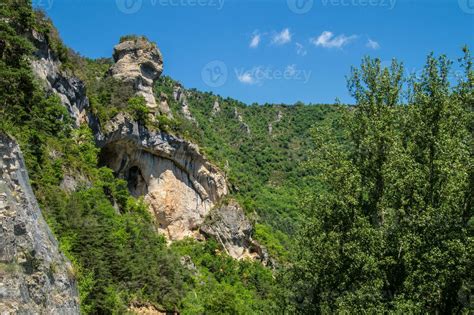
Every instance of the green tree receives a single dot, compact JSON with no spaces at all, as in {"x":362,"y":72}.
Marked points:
{"x":390,"y":231}
{"x":427,"y":187}
{"x":337,"y":263}
{"x":137,"y":107}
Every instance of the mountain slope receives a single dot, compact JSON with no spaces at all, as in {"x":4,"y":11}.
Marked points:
{"x":120,"y":259}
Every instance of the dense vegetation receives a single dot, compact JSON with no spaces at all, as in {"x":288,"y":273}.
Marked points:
{"x":378,"y":196}
{"x":395,"y":218}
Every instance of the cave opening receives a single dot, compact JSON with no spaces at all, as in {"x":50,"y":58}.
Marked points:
{"x":148,"y":70}
{"x":136,"y":182}
{"x":114,"y":157}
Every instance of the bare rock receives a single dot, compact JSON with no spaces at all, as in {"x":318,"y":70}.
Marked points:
{"x":231,"y":228}
{"x":270,"y":128}
{"x":185,"y":109}
{"x":138,"y":62}
{"x":277,"y":120}
{"x":164,"y":107}
{"x":70,"y":90}
{"x":146,"y":309}
{"x":216,"y":108}
{"x":179,"y":95}
{"x":243,"y":126}
{"x":35,"y":278}
{"x":178,"y":182}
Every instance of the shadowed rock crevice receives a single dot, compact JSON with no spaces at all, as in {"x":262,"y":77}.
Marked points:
{"x":136,"y":182}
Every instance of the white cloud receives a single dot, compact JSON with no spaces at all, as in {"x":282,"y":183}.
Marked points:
{"x":327,"y":40}
{"x":372,"y":44}
{"x":300,"y":50}
{"x":255,"y":41}
{"x":246,"y":78}
{"x":282,"y":38}
{"x":255,"y":75}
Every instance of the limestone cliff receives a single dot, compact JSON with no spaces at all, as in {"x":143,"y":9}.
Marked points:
{"x":71,"y":90}
{"x":138,"y":62}
{"x":179,"y":95}
{"x":179,"y":184}
{"x":228,"y":224}
{"x":35,"y":278}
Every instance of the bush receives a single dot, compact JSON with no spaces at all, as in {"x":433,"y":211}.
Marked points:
{"x":137,"y":107}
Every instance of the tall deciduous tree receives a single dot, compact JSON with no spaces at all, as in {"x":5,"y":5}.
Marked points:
{"x":390,"y":231}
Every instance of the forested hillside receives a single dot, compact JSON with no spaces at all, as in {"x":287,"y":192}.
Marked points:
{"x":364,"y":208}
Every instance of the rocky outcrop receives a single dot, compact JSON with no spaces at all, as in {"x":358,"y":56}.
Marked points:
{"x":138,"y":62}
{"x":71,"y":90}
{"x":178,"y":183}
{"x":185,"y":109}
{"x":179,"y":95}
{"x":35,"y":278}
{"x":231,"y":228}
{"x":216,"y":108}
{"x":277,"y":120}
{"x":146,"y":309}
{"x":243,"y":126}
{"x":181,"y":187}
{"x":164,"y":107}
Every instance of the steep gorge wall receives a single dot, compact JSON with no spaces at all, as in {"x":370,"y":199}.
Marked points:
{"x":35,"y":278}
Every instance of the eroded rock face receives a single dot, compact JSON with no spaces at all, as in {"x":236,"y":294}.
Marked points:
{"x":35,"y":278}
{"x":70,"y":90}
{"x":229,"y":226}
{"x":179,"y":95}
{"x":216,"y":108}
{"x":178,"y":183}
{"x":138,"y":62}
{"x":147,"y":310}
{"x":180,"y":186}
{"x":164,"y":107}
{"x":277,"y":120}
{"x":243,"y":125}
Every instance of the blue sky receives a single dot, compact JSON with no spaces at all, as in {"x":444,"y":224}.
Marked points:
{"x":275,"y":51}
